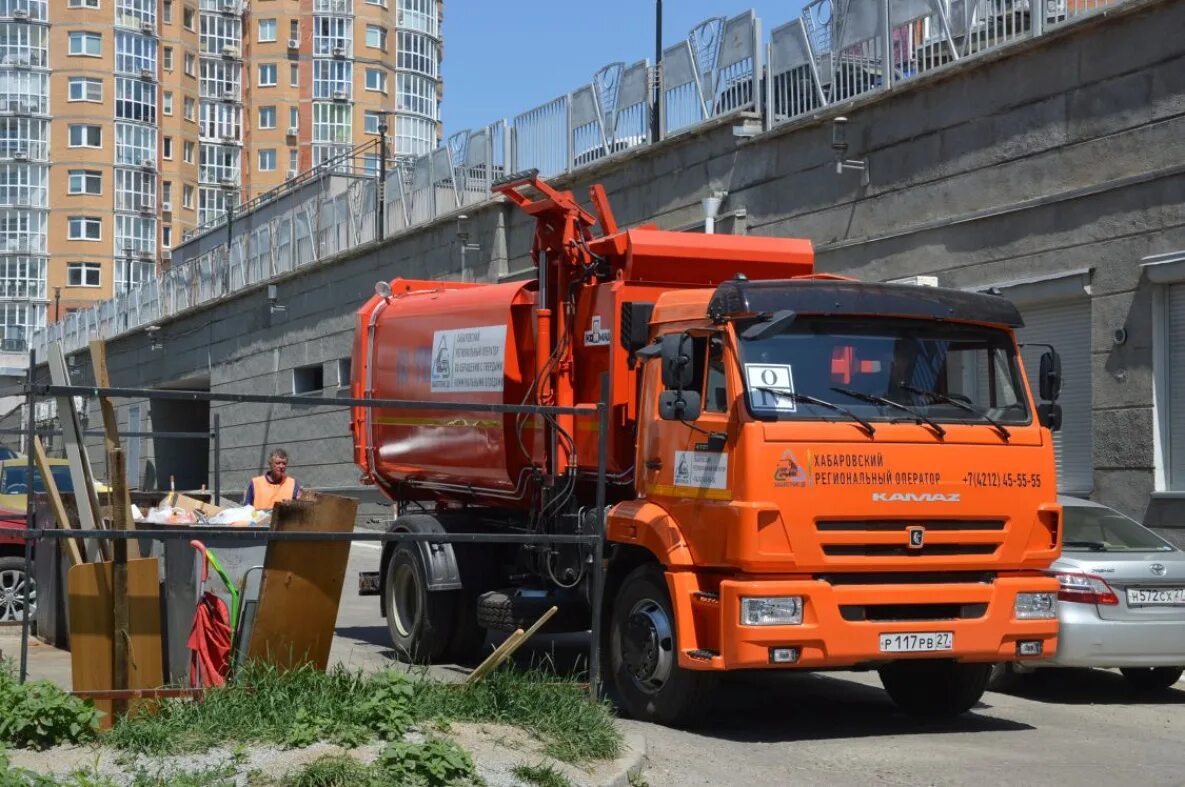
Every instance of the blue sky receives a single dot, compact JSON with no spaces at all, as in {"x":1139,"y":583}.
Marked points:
{"x":505,"y":56}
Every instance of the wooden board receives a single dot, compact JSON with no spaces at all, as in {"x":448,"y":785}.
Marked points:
{"x":89,"y":589}
{"x":69,"y":546}
{"x":302,"y":584}
{"x":81,"y":475}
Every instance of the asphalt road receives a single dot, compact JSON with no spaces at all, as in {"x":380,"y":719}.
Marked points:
{"x":1080,"y":727}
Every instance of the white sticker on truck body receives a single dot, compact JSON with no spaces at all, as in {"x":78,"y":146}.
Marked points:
{"x":467,"y":360}
{"x":703,"y":469}
{"x":764,"y":379}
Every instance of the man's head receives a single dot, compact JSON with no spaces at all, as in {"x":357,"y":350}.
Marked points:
{"x":277,"y":464}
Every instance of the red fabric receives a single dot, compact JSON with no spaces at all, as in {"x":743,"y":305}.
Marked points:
{"x":209,"y":642}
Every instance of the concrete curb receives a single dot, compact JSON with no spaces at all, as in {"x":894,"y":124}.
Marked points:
{"x":629,"y":763}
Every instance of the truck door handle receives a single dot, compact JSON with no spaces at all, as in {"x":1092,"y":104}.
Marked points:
{"x":654,"y":464}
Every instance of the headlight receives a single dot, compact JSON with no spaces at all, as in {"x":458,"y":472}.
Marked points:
{"x":1036,"y":606}
{"x":773,"y":611}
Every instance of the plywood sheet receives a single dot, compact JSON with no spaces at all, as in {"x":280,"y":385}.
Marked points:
{"x":89,"y":593}
{"x":302,"y":584}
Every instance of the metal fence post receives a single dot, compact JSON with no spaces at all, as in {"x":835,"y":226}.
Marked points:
{"x":598,"y":574}
{"x":887,"y":62}
{"x":216,"y":434}
{"x":30,"y":423}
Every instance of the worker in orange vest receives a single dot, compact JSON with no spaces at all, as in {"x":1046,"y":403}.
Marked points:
{"x":274,"y":486}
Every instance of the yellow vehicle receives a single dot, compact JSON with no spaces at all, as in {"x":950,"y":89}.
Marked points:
{"x":14,"y":481}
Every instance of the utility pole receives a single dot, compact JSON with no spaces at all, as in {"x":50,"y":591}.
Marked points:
{"x":380,"y":200}
{"x":655,"y":112}
{"x":57,"y":304}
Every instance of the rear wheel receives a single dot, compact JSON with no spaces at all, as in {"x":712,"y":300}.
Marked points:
{"x":12,"y":590}
{"x":421,"y":622}
{"x":935,"y":688}
{"x":644,"y":658}
{"x":1152,"y":678}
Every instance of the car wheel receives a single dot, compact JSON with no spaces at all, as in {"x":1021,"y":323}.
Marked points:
{"x":1152,"y":678}
{"x":12,"y":590}
{"x":643,"y":660}
{"x":420,"y":622}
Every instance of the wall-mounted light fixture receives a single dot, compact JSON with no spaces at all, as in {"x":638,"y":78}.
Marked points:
{"x":463,"y":241}
{"x":839,"y":144}
{"x":153,"y":332}
{"x":273,"y":297}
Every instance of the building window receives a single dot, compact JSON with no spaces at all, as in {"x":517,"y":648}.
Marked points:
{"x":416,"y":94}
{"x":168,"y":58}
{"x":332,"y":123}
{"x":189,"y":108}
{"x":187,"y":18}
{"x":134,"y":53}
{"x":418,"y":15}
{"x":167,"y":102}
{"x":190,"y":63}
{"x":221,"y":79}
{"x":267,"y":117}
{"x":187,"y":152}
{"x":370,"y":122}
{"x":134,"y":13}
{"x":22,"y":44}
{"x":85,"y":228}
{"x":293,"y":74}
{"x":267,"y":30}
{"x":419,"y":53}
{"x":86,"y":89}
{"x":267,"y":74}
{"x":86,"y":136}
{"x":267,"y":160}
{"x":219,"y":32}
{"x":293,"y":160}
{"x":333,"y":36}
{"x":86,"y":44}
{"x":166,"y":148}
{"x":84,"y":3}
{"x":382,"y":3}
{"x":130,"y":273}
{"x":135,"y":144}
{"x":166,"y":193}
{"x":308,"y":379}
{"x":82,"y":274}
{"x":414,"y":136}
{"x":135,"y":234}
{"x":294,"y":29}
{"x":167,"y":12}
{"x":22,"y":277}
{"x":222,"y":121}
{"x":187,"y":197}
{"x":86,"y":181}
{"x":294,"y":117}
{"x":135,"y":100}
{"x":376,"y":37}
{"x":22,"y":185}
{"x":24,"y":136}
{"x":135,"y":190}
{"x":166,"y":236}
{"x":332,"y":77}
{"x":376,"y":80}
{"x":219,"y":164}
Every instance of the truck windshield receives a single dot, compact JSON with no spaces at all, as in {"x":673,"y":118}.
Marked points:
{"x":885,"y":369}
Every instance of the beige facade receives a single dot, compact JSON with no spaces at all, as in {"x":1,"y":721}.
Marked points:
{"x":125,"y":124}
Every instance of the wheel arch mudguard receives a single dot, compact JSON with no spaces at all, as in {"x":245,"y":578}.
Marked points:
{"x":440,"y":560}
{"x":644,"y":524}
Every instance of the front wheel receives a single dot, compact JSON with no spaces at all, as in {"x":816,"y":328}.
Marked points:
{"x":935,"y":688}
{"x":644,"y":658}
{"x":12,"y":590}
{"x":421,"y":622}
{"x":1152,"y":678}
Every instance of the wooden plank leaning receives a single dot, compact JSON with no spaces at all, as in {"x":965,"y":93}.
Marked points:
{"x":119,"y":499}
{"x":81,"y":474}
{"x":507,"y":648}
{"x":69,"y":545}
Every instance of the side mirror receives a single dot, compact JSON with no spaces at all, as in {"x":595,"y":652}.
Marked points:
{"x":1050,"y":376}
{"x":1050,"y":416}
{"x":679,"y":405}
{"x":676,"y":361}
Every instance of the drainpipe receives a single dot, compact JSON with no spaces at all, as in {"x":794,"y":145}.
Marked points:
{"x":711,"y":209}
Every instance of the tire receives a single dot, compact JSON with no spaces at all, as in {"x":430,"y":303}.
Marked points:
{"x":935,"y":689}
{"x":421,"y":623}
{"x":12,"y":590}
{"x":1152,"y":678}
{"x":499,"y":610}
{"x":643,"y":655}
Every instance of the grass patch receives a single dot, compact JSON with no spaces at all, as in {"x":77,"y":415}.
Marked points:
{"x":37,"y":714}
{"x":555,"y":709}
{"x":303,"y":706}
{"x":541,"y":775}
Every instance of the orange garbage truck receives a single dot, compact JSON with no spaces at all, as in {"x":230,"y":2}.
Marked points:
{"x":804,"y":471}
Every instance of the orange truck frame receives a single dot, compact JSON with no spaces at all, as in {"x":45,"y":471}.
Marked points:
{"x":807,"y":472}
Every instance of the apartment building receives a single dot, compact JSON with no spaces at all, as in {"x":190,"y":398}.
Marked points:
{"x":126,"y":123}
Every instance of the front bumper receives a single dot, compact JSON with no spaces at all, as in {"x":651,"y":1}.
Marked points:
{"x":1086,"y":640}
{"x":710,"y":636}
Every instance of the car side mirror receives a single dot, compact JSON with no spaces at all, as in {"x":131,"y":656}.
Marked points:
{"x":1050,"y":376}
{"x":676,"y":361}
{"x":679,"y":405}
{"x":1050,"y":416}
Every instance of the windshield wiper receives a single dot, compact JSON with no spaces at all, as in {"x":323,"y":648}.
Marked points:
{"x":941,"y":397}
{"x":1093,"y":546}
{"x":804,"y":399}
{"x":918,"y":417}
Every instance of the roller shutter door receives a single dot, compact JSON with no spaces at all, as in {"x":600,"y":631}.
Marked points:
{"x":1066,"y":325}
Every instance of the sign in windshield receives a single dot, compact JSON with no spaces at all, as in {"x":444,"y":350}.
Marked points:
{"x":882,"y":370}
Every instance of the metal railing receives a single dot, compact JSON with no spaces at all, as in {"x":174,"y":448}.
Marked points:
{"x":835,"y":51}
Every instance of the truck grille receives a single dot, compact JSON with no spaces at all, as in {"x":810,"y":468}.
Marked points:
{"x":895,"y":612}
{"x":910,"y":578}
{"x":879,"y":538}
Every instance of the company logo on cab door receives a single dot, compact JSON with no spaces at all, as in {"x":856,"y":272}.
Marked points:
{"x":915,"y":497}
{"x":788,"y":472}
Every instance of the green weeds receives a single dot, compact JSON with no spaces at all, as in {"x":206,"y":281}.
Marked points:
{"x":38,"y":714}
{"x":541,"y":775}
